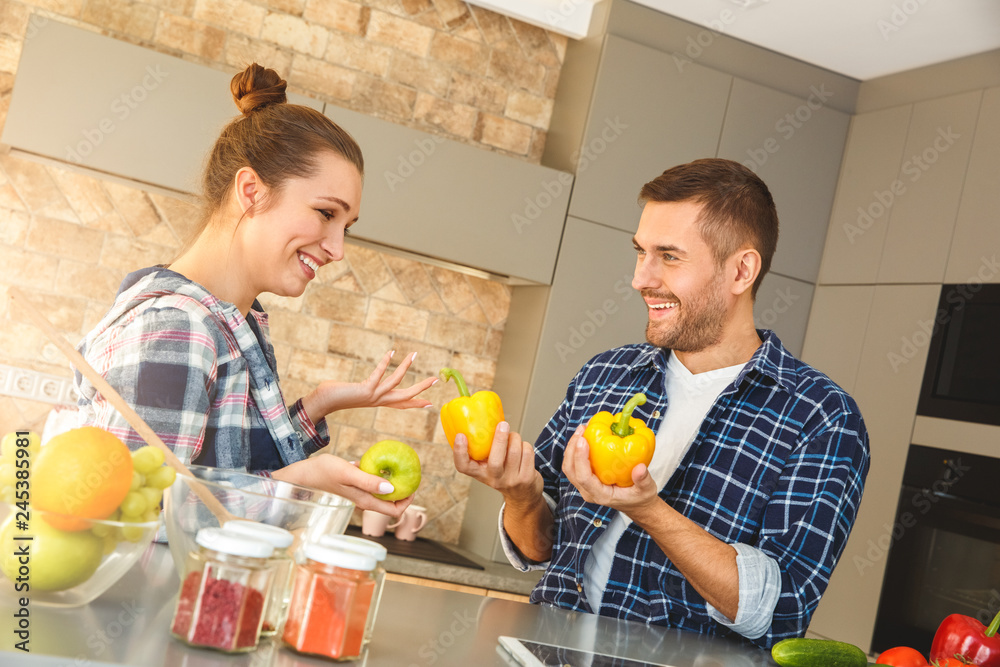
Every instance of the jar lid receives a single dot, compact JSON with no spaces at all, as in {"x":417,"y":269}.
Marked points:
{"x":351,"y":560}
{"x":233,"y":544}
{"x":273,"y":535}
{"x":352,"y":543}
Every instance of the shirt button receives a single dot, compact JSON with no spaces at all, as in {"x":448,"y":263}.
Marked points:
{"x":656,"y":414}
{"x":579,"y":588}
{"x":598,"y":523}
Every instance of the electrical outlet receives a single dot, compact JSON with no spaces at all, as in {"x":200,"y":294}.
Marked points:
{"x":36,"y":386}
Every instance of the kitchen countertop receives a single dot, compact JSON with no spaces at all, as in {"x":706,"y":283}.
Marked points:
{"x":494,"y":576}
{"x":416,"y":627}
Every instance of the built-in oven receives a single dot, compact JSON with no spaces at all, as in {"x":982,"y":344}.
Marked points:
{"x":943,"y":550}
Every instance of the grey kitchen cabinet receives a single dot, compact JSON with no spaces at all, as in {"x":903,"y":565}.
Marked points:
{"x":649,"y":111}
{"x":795,"y":144}
{"x":119,"y":110}
{"x":929,"y":187}
{"x":976,"y":240}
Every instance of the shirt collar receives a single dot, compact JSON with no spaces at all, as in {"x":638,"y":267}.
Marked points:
{"x":770,"y":360}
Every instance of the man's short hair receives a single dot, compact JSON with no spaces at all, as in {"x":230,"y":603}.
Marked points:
{"x":737,"y":208}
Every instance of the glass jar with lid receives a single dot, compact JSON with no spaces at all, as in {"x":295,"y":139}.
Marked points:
{"x":276,"y":606}
{"x":331,"y":598}
{"x":370,"y":548}
{"x":225,"y":586}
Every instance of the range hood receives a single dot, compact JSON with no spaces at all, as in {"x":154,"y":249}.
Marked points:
{"x":123,"y":112}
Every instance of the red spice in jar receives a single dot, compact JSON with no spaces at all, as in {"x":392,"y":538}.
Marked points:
{"x":225,"y":619}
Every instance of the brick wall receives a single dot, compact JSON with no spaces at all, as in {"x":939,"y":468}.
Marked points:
{"x":442,"y":66}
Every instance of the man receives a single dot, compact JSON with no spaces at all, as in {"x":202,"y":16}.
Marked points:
{"x":735,"y":526}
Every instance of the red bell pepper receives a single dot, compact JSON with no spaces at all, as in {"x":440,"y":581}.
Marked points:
{"x":967,"y":639}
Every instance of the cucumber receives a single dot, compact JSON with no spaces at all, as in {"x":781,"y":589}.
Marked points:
{"x":817,"y":653}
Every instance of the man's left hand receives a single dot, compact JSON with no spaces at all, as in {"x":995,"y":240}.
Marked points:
{"x":635,"y":501}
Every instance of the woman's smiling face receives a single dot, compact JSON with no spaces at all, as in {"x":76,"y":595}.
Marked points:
{"x":302,"y":228}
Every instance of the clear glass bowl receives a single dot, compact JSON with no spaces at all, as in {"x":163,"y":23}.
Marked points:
{"x":306,"y":513}
{"x":94,"y":558}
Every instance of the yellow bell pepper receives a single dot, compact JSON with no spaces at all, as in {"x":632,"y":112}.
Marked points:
{"x":619,"y":443}
{"x":476,"y":416}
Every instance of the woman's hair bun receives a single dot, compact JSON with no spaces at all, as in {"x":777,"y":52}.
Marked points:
{"x":256,"y":87}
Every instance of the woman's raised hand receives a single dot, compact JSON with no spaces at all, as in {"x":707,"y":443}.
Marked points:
{"x":375,"y":391}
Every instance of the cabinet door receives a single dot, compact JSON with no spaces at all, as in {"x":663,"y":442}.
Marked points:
{"x":932,"y":174}
{"x":592,"y":308}
{"x":865,"y":194}
{"x":795,"y":145}
{"x":650,"y":111}
{"x":977,"y":232}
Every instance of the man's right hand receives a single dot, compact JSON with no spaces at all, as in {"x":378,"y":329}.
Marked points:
{"x":510,"y":469}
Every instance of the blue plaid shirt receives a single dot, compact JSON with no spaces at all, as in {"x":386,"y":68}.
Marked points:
{"x":779,"y":464}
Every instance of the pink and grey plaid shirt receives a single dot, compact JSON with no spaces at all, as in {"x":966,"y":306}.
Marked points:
{"x":200,"y":374}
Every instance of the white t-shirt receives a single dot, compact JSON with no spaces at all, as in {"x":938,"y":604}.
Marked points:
{"x":689,"y":398}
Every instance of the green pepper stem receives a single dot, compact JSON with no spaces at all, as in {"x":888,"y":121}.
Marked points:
{"x":621,"y":428}
{"x":994,"y":626}
{"x":451,"y":374}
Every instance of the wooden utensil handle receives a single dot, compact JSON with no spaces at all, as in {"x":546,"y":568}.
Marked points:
{"x":119,"y":403}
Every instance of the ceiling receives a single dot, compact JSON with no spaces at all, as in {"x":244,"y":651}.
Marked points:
{"x":861,"y":39}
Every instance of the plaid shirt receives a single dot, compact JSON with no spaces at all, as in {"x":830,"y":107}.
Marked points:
{"x":779,"y":464}
{"x":201,"y":375}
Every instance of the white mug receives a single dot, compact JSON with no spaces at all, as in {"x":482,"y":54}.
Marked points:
{"x":413,"y":519}
{"x":375,"y":523}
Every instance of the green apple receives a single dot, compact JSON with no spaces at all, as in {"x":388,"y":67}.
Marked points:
{"x":397,"y":463}
{"x":58,"y":559}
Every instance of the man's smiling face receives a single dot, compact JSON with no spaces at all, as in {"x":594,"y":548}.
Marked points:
{"x":679,"y":278}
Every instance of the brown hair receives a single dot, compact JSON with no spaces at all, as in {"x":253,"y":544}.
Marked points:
{"x":737,"y":208}
{"x":277,"y":140}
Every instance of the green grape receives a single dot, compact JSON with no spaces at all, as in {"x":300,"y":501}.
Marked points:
{"x":152,"y":496}
{"x":147,"y":459}
{"x":102,"y":529}
{"x":111,"y":541}
{"x":132,"y":533}
{"x":134,"y":505}
{"x":138,"y":481}
{"x":161,"y":478}
{"x":151,"y":515}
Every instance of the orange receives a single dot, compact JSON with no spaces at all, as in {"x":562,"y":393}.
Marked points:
{"x":81,"y":474}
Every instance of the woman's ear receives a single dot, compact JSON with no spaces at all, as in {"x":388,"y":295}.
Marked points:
{"x":747,"y":269}
{"x":247,"y":190}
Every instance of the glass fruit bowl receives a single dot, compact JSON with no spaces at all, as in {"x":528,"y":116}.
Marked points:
{"x":65,"y":568}
{"x":306,"y":513}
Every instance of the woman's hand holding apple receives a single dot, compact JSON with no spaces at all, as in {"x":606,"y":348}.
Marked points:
{"x":335,"y":475}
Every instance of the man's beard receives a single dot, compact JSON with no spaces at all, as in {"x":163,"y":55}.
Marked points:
{"x":699,"y":323}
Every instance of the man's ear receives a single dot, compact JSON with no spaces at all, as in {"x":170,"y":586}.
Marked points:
{"x":248,"y":190}
{"x":747,"y":264}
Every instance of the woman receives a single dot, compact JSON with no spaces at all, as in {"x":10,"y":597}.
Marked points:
{"x":187,"y":345}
